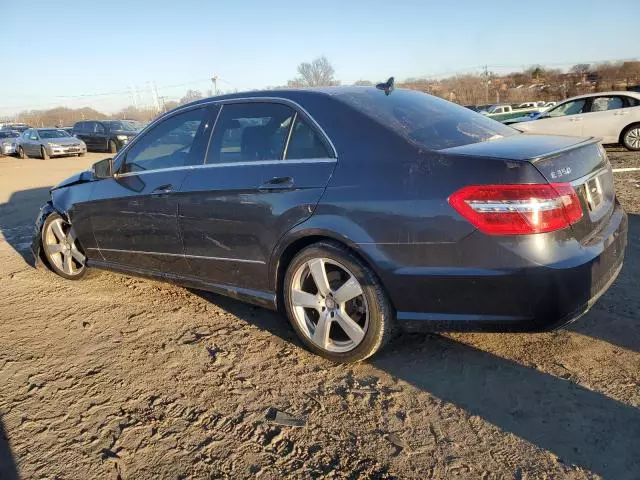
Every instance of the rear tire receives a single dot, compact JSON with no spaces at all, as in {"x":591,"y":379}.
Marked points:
{"x":113,"y":146}
{"x":344,"y":325}
{"x":44,"y":154}
{"x":631,"y":137}
{"x":21,"y":153}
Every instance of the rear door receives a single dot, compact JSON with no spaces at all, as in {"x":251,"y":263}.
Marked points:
{"x":34,"y":143}
{"x":267,"y":167}
{"x":134,"y":214}
{"x":605,"y":118}
{"x":564,"y":119}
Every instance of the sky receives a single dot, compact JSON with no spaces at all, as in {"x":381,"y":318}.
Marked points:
{"x":98,"y":53}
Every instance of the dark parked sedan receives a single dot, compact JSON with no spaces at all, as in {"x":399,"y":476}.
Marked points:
{"x":352,"y":209}
{"x":105,"y":135}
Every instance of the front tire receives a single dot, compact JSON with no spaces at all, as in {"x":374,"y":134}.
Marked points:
{"x":21,"y":153}
{"x":631,"y":137}
{"x":336,"y":304}
{"x":113,"y":146}
{"x":44,"y":154}
{"x":61,"y":248}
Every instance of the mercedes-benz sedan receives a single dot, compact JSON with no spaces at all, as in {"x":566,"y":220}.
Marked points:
{"x":353,"y":210}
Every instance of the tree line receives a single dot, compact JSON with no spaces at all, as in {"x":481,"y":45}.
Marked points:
{"x":534,"y":83}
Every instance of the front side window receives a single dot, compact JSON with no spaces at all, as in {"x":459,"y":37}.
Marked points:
{"x":305,"y":142}
{"x":98,"y":127}
{"x":34,"y":135}
{"x":26,"y":134}
{"x":569,"y":108}
{"x":174,"y":142}
{"x":247,"y":132}
{"x":602,"y":104}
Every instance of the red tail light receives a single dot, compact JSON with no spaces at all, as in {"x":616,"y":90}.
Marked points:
{"x":518,"y":209}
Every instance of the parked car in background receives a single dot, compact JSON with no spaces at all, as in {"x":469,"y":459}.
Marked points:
{"x":18,"y":127}
{"x":612,"y":116}
{"x":353,"y":209}
{"x":48,"y":142}
{"x":69,"y":130}
{"x":8,"y":141}
{"x":539,"y":104}
{"x":504,"y":112}
{"x":104,"y":135}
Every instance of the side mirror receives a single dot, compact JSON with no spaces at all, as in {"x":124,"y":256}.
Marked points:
{"x":103,"y":169}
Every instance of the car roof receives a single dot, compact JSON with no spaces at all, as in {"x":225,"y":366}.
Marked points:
{"x":601,"y":94}
{"x":286,"y":93}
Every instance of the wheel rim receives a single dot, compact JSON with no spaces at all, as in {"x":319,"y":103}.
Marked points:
{"x":21,"y":152}
{"x":328,"y":305}
{"x":633,"y":137}
{"x":61,"y":248}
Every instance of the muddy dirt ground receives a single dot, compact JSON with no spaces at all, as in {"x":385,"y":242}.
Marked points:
{"x":118,"y":377}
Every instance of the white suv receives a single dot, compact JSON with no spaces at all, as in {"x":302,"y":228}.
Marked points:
{"x":612,"y":116}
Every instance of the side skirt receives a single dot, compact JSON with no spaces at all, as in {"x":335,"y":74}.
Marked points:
{"x":256,"y":297}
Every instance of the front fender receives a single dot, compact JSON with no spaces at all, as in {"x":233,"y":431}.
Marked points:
{"x":36,"y":244}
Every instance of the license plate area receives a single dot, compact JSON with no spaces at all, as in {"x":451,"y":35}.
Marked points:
{"x":594,"y":193}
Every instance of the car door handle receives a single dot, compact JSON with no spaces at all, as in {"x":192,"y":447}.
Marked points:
{"x":575,"y":119}
{"x":620,"y":113}
{"x":162,"y":189}
{"x":277,"y":183}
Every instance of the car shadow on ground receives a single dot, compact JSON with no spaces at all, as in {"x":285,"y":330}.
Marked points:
{"x":17,"y":218}
{"x":615,"y":318}
{"x":8,"y":470}
{"x":580,"y":426}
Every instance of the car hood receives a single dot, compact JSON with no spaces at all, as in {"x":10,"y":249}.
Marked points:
{"x":524,"y":146}
{"x":80,"y":177}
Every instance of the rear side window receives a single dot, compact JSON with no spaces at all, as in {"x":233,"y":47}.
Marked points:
{"x":249,"y":132}
{"x":601,"y":104}
{"x":305,"y":142}
{"x":426,"y":120}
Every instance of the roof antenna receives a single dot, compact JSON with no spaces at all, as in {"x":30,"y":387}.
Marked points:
{"x":387,"y":87}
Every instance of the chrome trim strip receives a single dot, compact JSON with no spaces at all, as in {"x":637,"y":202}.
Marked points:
{"x":230,"y":164}
{"x":588,"y":176}
{"x":222,"y":259}
{"x":224,"y":101}
{"x":291,"y":127}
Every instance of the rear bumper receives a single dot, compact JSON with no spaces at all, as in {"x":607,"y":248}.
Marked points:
{"x":529,"y":296}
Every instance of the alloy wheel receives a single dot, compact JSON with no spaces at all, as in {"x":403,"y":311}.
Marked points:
{"x":61,"y":249}
{"x":633,"y":137}
{"x":328,"y":305}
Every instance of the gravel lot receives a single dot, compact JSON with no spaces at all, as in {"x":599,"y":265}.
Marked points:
{"x":119,"y":377}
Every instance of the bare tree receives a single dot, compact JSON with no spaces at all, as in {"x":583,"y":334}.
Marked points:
{"x":363,"y":83}
{"x":190,"y":96}
{"x":318,"y":73}
{"x":580,"y":69}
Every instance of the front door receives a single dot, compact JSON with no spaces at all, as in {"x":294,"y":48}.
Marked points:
{"x":266,"y":170}
{"x":564,"y":119}
{"x":134,"y":214}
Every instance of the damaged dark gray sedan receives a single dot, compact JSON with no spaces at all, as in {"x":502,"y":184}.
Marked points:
{"x":353,"y":210}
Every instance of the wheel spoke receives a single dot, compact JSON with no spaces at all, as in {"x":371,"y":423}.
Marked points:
{"x":350,"y":289}
{"x":67,"y":264}
{"x":321,"y":333}
{"x":55,"y":248}
{"x":319,"y":274}
{"x":350,"y":327}
{"x":56,"y":228}
{"x":75,"y":253}
{"x":304,"y":299}
{"x":71,"y":236}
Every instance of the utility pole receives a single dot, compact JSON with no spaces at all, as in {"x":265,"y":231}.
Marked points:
{"x":214,"y":80}
{"x":164,"y":104}
{"x":486,"y":83}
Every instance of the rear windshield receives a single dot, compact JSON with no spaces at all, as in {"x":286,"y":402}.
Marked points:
{"x":52,"y":133}
{"x":426,"y":120}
